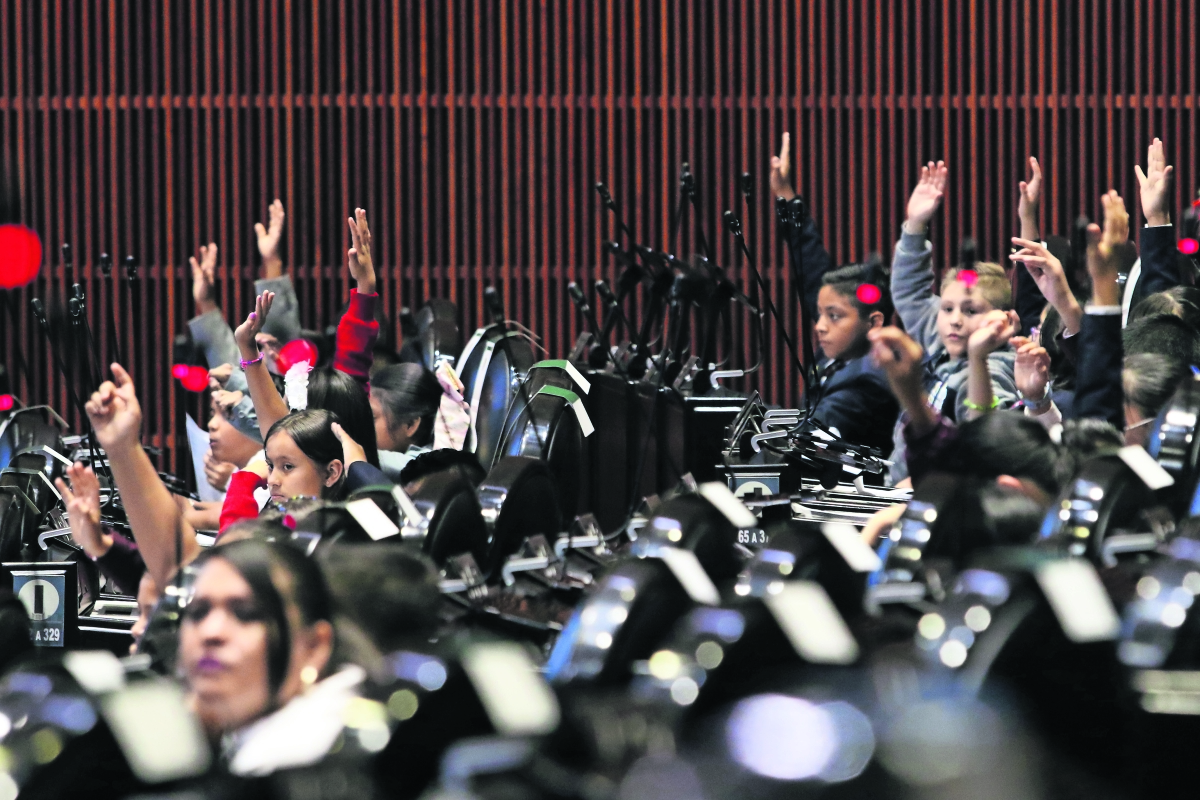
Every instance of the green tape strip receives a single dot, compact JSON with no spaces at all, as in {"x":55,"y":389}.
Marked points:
{"x":585,"y":422}
{"x":583,"y":383}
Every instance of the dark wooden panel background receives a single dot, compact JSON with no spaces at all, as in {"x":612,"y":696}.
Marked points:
{"x":473,"y":131}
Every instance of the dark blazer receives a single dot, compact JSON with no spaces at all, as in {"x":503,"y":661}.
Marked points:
{"x":1098,"y":392}
{"x":1159,"y":271}
{"x":810,"y":261}
{"x":857,"y":400}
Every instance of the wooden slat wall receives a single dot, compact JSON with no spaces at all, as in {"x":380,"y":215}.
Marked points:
{"x":472,"y":131}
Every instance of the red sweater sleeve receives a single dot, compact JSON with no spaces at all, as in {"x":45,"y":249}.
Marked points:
{"x":356,"y":335}
{"x":239,"y":498}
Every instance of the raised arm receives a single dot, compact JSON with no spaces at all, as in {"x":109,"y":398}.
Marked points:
{"x":268,"y":404}
{"x":1028,"y":299}
{"x":116,"y":556}
{"x":358,"y":329}
{"x":1030,"y":202}
{"x":912,"y":260}
{"x":269,"y":237}
{"x":901,"y":359}
{"x":994,"y":331}
{"x":1158,"y":237}
{"x":209,"y":329}
{"x":804,"y":239}
{"x":153,"y":514}
{"x":1031,"y":374}
{"x":927,"y":434}
{"x":1099,"y":394}
{"x":284,"y":324}
{"x":1051,"y":279}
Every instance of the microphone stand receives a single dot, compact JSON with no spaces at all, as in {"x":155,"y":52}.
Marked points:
{"x":792,"y":214}
{"x":613,"y":310}
{"x":744,"y":185}
{"x":131,"y":281}
{"x":598,"y":353}
{"x":71,"y":340}
{"x":77,"y":306}
{"x":39,"y":313}
{"x":735,"y":228}
{"x":113,"y":339}
{"x":611,"y":205}
{"x":677,"y":217}
{"x":652,"y":426}
{"x":687,"y":187}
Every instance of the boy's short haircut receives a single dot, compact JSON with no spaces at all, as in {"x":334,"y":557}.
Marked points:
{"x":846,"y":279}
{"x":1182,"y":301}
{"x":991,"y":281}
{"x":1164,"y":334}
{"x":1149,"y":380}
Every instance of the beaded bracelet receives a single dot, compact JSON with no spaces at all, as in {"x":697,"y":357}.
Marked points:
{"x":971,"y":404}
{"x":251,"y":362}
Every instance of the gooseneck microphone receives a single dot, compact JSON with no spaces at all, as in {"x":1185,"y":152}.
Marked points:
{"x":735,"y":227}
{"x":607,"y":199}
{"x":114,"y":340}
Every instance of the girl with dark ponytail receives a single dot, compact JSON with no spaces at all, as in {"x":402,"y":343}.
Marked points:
{"x":405,"y":403}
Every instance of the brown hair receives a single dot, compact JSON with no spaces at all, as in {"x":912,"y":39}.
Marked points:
{"x":992,"y":283}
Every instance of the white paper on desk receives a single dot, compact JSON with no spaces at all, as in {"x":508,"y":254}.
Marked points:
{"x":198,"y":442}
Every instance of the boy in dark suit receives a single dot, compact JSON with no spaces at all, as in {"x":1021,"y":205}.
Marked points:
{"x":854,"y":397}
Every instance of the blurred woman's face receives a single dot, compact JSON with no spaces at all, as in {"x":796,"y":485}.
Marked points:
{"x":223,"y":650}
{"x":293,"y":474}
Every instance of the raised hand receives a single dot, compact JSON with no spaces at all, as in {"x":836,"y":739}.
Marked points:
{"x":202,"y":278}
{"x":927,"y":196}
{"x":1051,"y":279}
{"x":1030,"y":201}
{"x":1104,"y":248}
{"x":994,"y":330}
{"x":226,"y":400}
{"x":269,"y":238}
{"x":83,"y":510}
{"x":901,"y":358}
{"x":1031,"y":371}
{"x":218,"y":376}
{"x":217,"y":473}
{"x":245,"y":333}
{"x":115,"y":412}
{"x":781,"y":167}
{"x":351,"y":450}
{"x":1155,"y":185}
{"x":359,"y":255}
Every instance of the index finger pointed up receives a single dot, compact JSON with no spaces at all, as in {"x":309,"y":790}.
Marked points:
{"x":121,"y":378}
{"x":785,"y":153}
